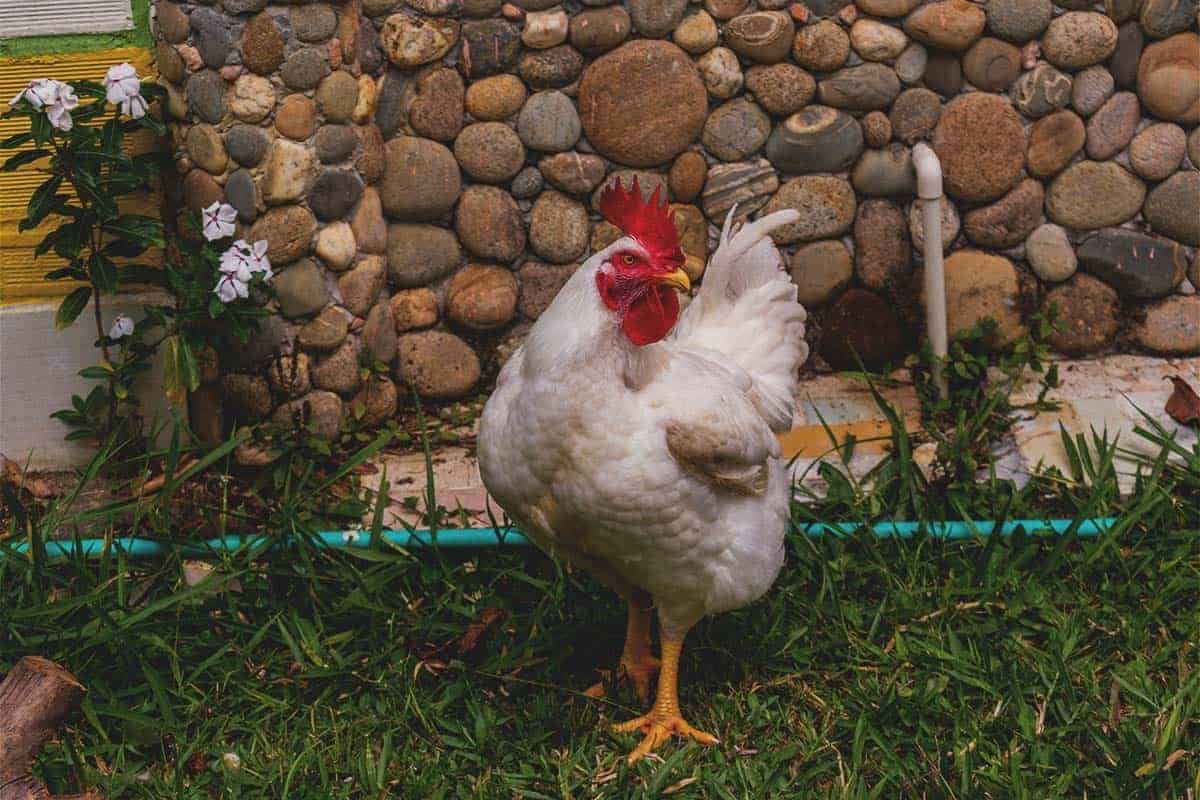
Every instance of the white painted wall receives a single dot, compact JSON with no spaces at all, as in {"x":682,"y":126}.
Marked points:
{"x":39,"y":369}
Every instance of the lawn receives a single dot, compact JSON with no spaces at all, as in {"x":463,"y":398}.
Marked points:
{"x":916,"y":668}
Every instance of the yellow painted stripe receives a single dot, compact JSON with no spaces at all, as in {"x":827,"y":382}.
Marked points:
{"x":20,"y":274}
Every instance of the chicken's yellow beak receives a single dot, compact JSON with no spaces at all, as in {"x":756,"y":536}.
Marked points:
{"x":677,"y":279}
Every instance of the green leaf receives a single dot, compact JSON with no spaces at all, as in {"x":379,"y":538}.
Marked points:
{"x":139,"y":228}
{"x":39,"y":128}
{"x":43,"y":201}
{"x":16,"y":140}
{"x":180,"y":374}
{"x":14,"y":163}
{"x":103,"y":272}
{"x":72,"y":305}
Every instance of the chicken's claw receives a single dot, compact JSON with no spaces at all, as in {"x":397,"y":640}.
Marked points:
{"x":659,"y":727}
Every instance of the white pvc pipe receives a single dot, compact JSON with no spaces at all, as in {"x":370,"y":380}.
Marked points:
{"x":929,"y":190}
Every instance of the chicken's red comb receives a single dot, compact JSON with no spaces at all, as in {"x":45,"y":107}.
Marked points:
{"x":648,"y":221}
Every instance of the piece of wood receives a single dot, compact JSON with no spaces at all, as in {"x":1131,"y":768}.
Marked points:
{"x":35,"y":697}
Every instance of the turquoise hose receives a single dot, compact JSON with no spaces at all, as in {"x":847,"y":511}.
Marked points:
{"x":467,"y":538}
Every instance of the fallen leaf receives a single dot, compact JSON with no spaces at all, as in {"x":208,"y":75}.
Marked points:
{"x":488,"y":619}
{"x":1183,"y":405}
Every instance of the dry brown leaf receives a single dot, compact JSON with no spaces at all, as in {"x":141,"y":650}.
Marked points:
{"x":1183,"y":405}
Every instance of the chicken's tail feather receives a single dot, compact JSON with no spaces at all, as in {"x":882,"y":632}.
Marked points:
{"x":746,"y":310}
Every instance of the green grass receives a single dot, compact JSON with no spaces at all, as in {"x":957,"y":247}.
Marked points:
{"x":918,"y":668}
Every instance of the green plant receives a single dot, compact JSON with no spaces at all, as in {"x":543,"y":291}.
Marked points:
{"x":216,"y":296}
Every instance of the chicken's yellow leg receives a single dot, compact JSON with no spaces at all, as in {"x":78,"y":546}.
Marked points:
{"x":637,"y":661}
{"x":664,"y":719}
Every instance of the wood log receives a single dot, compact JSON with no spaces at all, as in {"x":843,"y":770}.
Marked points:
{"x":35,"y":697}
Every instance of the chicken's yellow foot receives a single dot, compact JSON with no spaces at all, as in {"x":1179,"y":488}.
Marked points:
{"x":638,"y":663}
{"x":664,"y":721}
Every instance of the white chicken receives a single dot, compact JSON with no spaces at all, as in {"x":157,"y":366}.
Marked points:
{"x":638,"y":443}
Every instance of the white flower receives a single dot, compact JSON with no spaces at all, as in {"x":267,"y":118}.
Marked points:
{"x":259,"y":263}
{"x":229,"y":288}
{"x":38,"y":93}
{"x":217,"y":221}
{"x":245,"y":260}
{"x":122,"y":326}
{"x":123,"y":88}
{"x":59,"y":111}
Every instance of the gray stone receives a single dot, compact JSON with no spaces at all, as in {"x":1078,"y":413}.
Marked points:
{"x":205,"y":149}
{"x":558,"y":228}
{"x":326,"y":331}
{"x":991,"y":64}
{"x":654,"y":19}
{"x":1157,"y":150}
{"x":1041,"y":90}
{"x":950,"y":224}
{"x":421,"y":180}
{"x":321,"y":412}
{"x":210,"y":34}
{"x":1125,"y":58}
{"x":242,"y":194}
{"x":527,"y":184}
{"x":1006,"y":222}
{"x":748,"y":185}
{"x":244,"y":6}
{"x":206,"y":95}
{"x":379,"y":332}
{"x":820,"y":270}
{"x":1111,"y":128}
{"x":334,"y":193}
{"x":313,"y":23}
{"x":915,"y":114}
{"x":1139,"y":267}
{"x":489,"y":47}
{"x":391,"y":103}
{"x":736,"y":130}
{"x":1173,"y":207}
{"x":862,"y":88}
{"x":301,"y":289}
{"x":815,"y":139}
{"x":247,"y":396}
{"x":334,"y":143}
{"x":884,"y":173}
{"x":305,"y":68}
{"x":418,"y":255}
{"x":910,"y":65}
{"x":490,"y":152}
{"x":943,"y":74}
{"x":1050,"y":254}
{"x":1090,"y":88}
{"x":881,"y":247}
{"x":1093,"y":194}
{"x":549,"y":122}
{"x":1018,"y":20}
{"x":539,"y":286}
{"x":1163,"y":18}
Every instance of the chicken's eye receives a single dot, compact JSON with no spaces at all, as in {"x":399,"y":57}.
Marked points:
{"x":628,"y":260}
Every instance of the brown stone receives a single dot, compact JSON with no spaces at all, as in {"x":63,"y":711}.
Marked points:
{"x":489,"y":223}
{"x":992,"y":65}
{"x":376,"y":402}
{"x":763,"y":36}
{"x":822,"y":47}
{"x":414,"y":308}
{"x":435,"y":104}
{"x":981,"y":143}
{"x":1111,"y":129}
{"x":360,"y":287}
{"x":482,"y":297}
{"x":495,"y":98}
{"x":1053,"y":142}
{"x":573,"y":173}
{"x":262,"y":46}
{"x":1171,"y":326}
{"x":368,"y":225}
{"x":686,"y":177}
{"x":947,"y":24}
{"x":598,"y":30}
{"x":625,"y":95}
{"x":326,"y":331}
{"x":289,"y":375}
{"x":558,"y":228}
{"x":781,"y":89}
{"x":438,"y":365}
{"x":820,"y":270}
{"x":983,"y":286}
{"x":551,"y":69}
{"x":370,"y":160}
{"x":337,"y":95}
{"x":1094,"y":194}
{"x":319,"y":411}
{"x":881,"y":246}
{"x":1168,"y":79}
{"x":1006,"y":222}
{"x":200,"y":190}
{"x":296,"y":117}
{"x":288,"y":232}
{"x":248,"y":397}
{"x":826,"y":205}
{"x":1086,"y":313}
{"x":860,"y":329}
{"x":413,"y":41}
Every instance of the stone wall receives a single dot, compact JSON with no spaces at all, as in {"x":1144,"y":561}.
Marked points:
{"x":426,"y":172}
